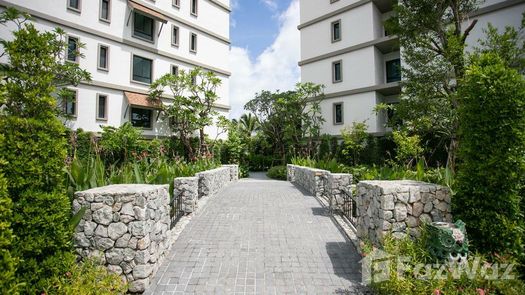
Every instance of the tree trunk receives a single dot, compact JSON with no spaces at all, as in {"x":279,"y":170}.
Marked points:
{"x":203,"y":146}
{"x":452,"y":153}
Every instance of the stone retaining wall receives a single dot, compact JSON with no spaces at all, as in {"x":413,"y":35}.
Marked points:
{"x":339,"y":184}
{"x":398,"y":206}
{"x":312,"y":180}
{"x":211,"y":181}
{"x":127,"y":228}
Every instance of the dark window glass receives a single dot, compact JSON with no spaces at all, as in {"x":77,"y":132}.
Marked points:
{"x":393,"y":70}
{"x":194,"y":80}
{"x":103,"y":58}
{"x":174,"y":70}
{"x":193,"y":45}
{"x":102,"y":99}
{"x":194,"y":7}
{"x":104,"y":11}
{"x":175,"y":37}
{"x":337,"y":72}
{"x":141,"y":117}
{"x":74,"y":4}
{"x":72,"y":49}
{"x":143,"y":26}
{"x":336,"y":29}
{"x":70,"y":103}
{"x":142,"y":70}
{"x":176,"y":3}
{"x":338,"y":113}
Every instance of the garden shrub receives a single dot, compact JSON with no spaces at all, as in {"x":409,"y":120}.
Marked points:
{"x":8,"y":262}
{"x":445,"y":279}
{"x":118,"y":144}
{"x":277,"y":172}
{"x":492,"y":116}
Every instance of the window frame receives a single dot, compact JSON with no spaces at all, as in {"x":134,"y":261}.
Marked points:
{"x":332,"y":31}
{"x":105,"y":118}
{"x":193,"y":50}
{"x":106,"y":69}
{"x":75,"y":9}
{"x":176,"y":3}
{"x":333,"y":1}
{"x":340,"y":62}
{"x":132,"y":68}
{"x":106,"y":20}
{"x":153,"y":28}
{"x":386,"y":70}
{"x":77,"y":55}
{"x":150,"y":127}
{"x":176,"y":71}
{"x":64,"y":104}
{"x":194,"y":5}
{"x":175,"y":41}
{"x":334,"y":113}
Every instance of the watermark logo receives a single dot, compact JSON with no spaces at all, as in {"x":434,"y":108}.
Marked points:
{"x":379,"y":266}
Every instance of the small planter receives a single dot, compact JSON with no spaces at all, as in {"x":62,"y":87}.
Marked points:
{"x":448,"y":241}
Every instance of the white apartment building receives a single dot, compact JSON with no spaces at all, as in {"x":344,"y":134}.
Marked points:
{"x":129,"y":44}
{"x":345,"y":47}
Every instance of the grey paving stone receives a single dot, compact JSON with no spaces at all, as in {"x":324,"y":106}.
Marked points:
{"x":260,"y":236}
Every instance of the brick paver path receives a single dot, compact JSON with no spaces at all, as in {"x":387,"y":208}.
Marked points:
{"x":260,"y":237}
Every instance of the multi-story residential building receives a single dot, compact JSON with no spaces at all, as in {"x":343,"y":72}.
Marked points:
{"x":345,"y":47}
{"x":129,"y":44}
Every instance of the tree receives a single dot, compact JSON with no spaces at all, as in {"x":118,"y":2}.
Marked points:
{"x":191,"y":109}
{"x":433,"y":35}
{"x":33,"y":149}
{"x":492,"y":112}
{"x":290,"y":120}
{"x":248,"y":124}
{"x":354,"y":141}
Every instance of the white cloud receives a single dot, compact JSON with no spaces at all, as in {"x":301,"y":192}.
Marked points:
{"x":274,"y":69}
{"x":271,"y":4}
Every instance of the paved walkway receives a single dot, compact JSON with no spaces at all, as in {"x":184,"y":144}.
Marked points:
{"x":260,"y":237}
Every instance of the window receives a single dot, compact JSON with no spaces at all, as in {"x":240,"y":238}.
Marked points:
{"x":72,"y":49}
{"x":333,"y":1}
{"x":104,"y":10}
{"x":174,"y":70}
{"x":74,"y":5}
{"x":142,"y":69}
{"x":393,"y":70}
{"x":337,"y":71}
{"x":176,"y":3}
{"x":141,"y":117}
{"x":193,"y":42}
{"x":103,"y":57}
{"x":102,"y":106}
{"x":338,"y":113}
{"x":143,"y":26}
{"x":194,"y":7}
{"x":70,"y":103}
{"x":175,"y":36}
{"x":336,"y":31}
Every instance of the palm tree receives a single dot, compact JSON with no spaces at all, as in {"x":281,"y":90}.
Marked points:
{"x":248,"y":124}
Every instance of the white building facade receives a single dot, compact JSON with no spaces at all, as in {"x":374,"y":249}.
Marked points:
{"x":128,"y":45}
{"x":345,"y":47}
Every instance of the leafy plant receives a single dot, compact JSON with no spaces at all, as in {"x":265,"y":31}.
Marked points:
{"x":354,"y":141}
{"x":277,"y":172}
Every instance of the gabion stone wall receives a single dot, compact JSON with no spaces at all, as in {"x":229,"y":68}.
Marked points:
{"x":336,"y":183}
{"x":211,"y":181}
{"x":234,"y":172}
{"x":312,"y":180}
{"x":127,"y":227}
{"x":186,"y":188}
{"x":398,"y":206}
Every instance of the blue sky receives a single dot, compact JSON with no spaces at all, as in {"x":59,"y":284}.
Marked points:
{"x":254,"y":23}
{"x":265,"y":49}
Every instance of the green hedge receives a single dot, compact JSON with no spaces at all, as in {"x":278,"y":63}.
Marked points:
{"x":277,"y":172}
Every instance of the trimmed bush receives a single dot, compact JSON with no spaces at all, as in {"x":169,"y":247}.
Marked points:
{"x":277,"y":172}
{"x":8,"y":263}
{"x":492,"y":116}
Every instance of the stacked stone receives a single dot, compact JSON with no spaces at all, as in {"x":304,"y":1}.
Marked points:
{"x":186,"y":190}
{"x":398,"y":206}
{"x":290,"y":172}
{"x":312,"y":180}
{"x":338,"y":185}
{"x":127,"y":228}
{"x":211,"y":181}
{"x":234,"y":172}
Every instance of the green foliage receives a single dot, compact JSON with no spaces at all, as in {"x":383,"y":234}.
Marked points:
{"x":289,"y":121}
{"x":118,"y":144}
{"x":43,"y":238}
{"x":354,"y":141}
{"x":493,"y":131}
{"x":8,"y":263}
{"x":408,"y":148}
{"x":407,"y":280}
{"x":277,"y":172}
{"x":87,"y":278}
